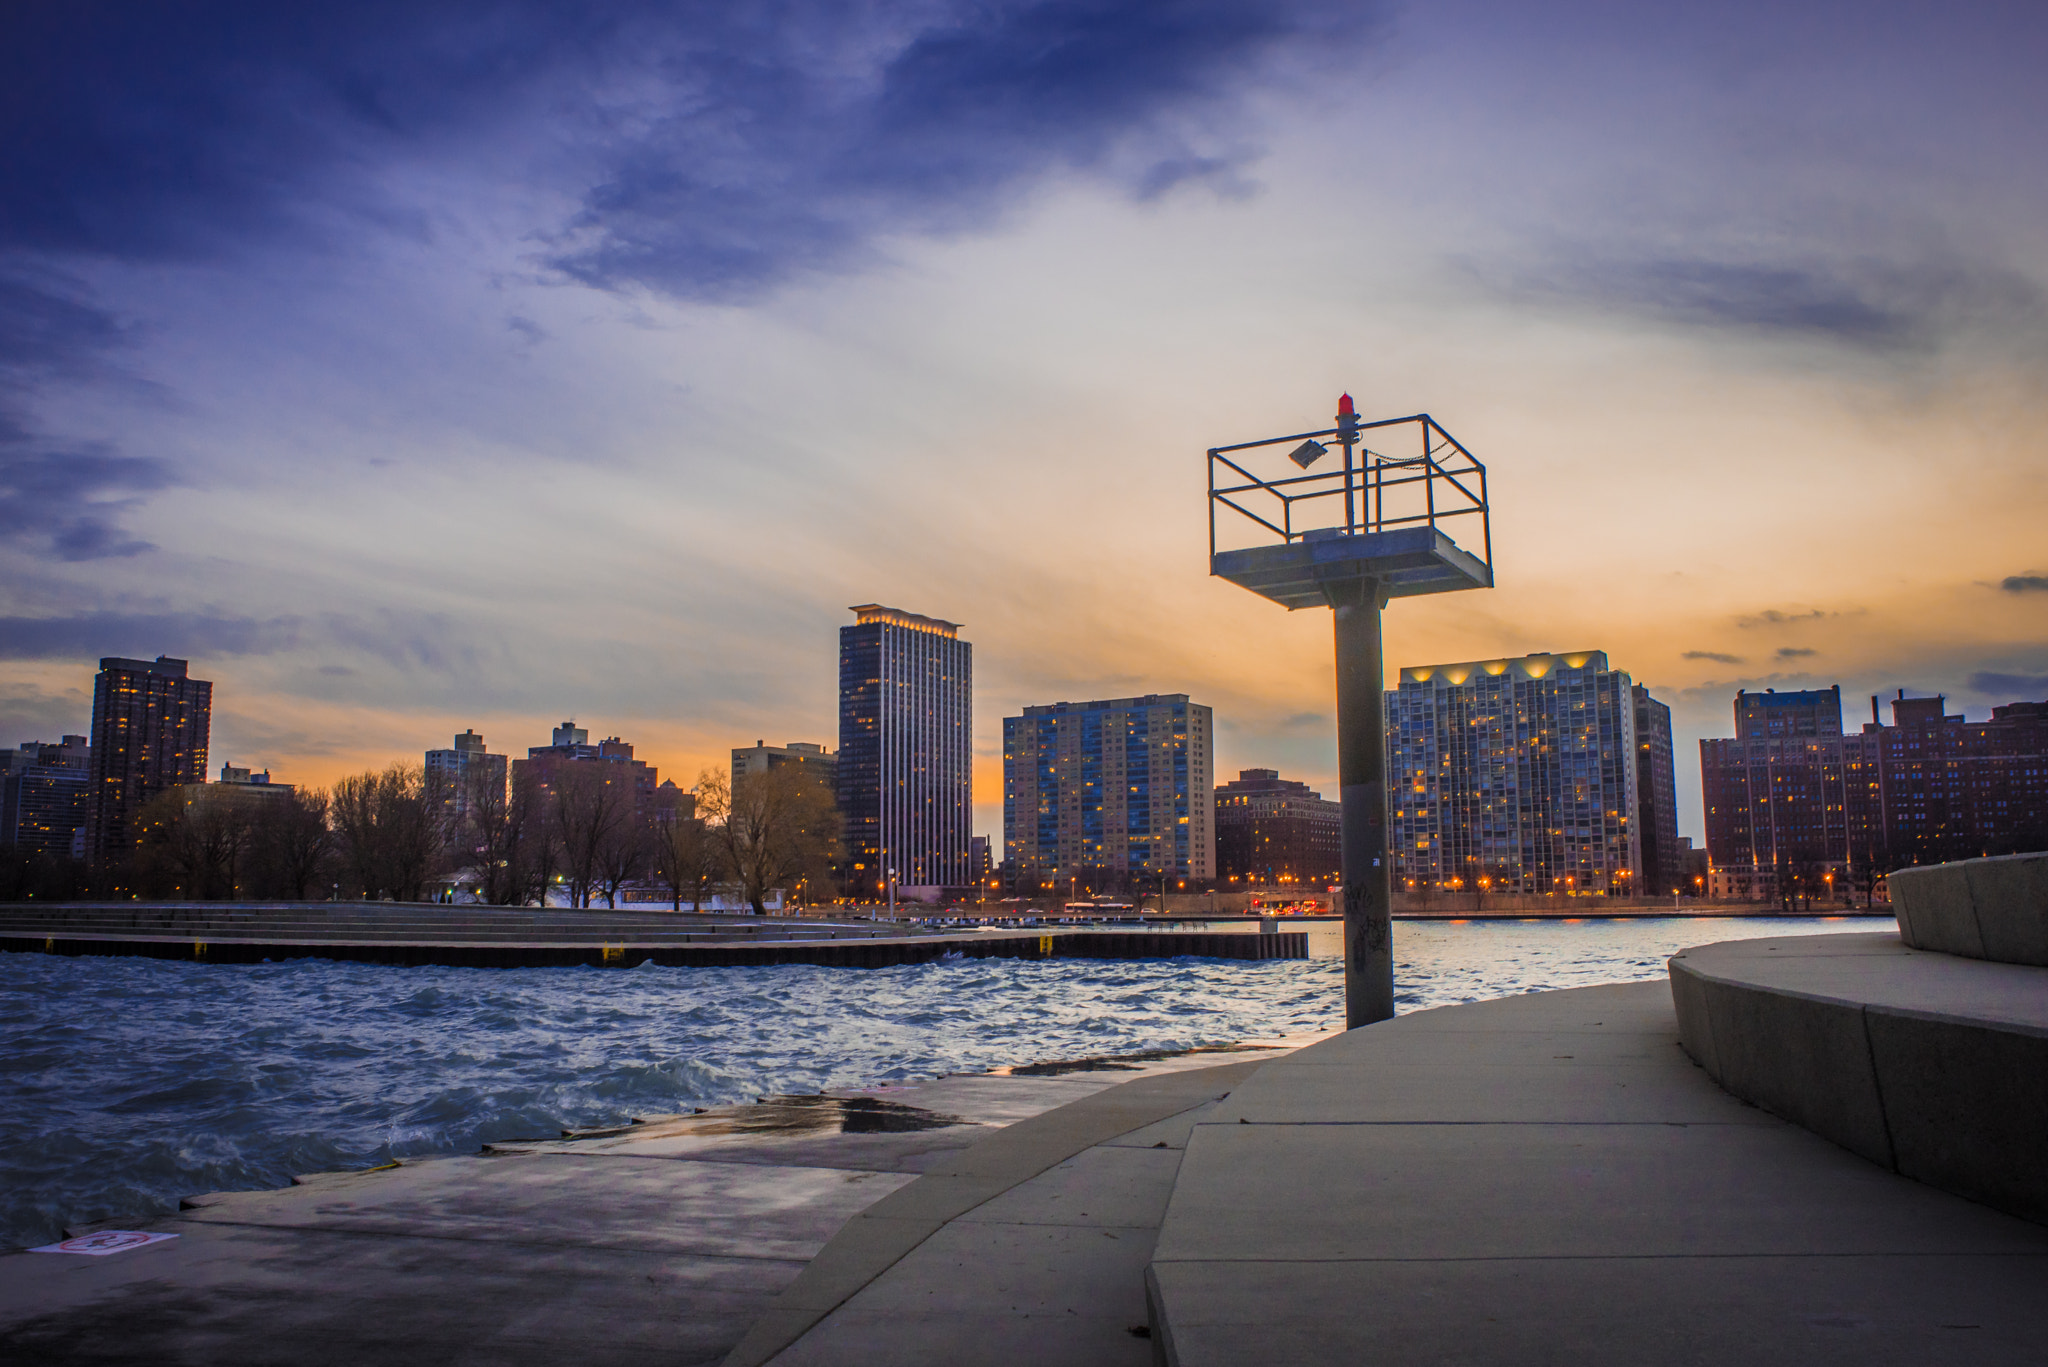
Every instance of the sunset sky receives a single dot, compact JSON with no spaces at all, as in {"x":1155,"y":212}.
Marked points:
{"x":417,"y":367}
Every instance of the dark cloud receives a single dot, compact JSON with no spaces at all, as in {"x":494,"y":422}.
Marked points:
{"x":1795,"y":652}
{"x":1772,"y":617}
{"x":708,"y":151}
{"x":62,"y":496}
{"x":2025,"y":583}
{"x":142,"y":635}
{"x":715,"y":149}
{"x":1716,"y":656}
{"x":2010,"y":687}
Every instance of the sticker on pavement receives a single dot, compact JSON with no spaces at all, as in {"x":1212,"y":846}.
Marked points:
{"x":105,"y":1241}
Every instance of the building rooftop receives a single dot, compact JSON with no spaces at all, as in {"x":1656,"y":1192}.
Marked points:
{"x":1534,"y":666}
{"x":865,"y":613}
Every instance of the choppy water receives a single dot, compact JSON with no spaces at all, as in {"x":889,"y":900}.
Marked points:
{"x":127,"y":1083}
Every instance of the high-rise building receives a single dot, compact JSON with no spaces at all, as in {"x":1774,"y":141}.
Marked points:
{"x":1274,"y":831}
{"x":1515,"y":775}
{"x":1656,"y":797}
{"x":906,"y":727}
{"x":1116,"y":790}
{"x":43,"y":792}
{"x":1777,"y":796}
{"x":456,"y":773}
{"x":760,"y":757}
{"x":150,"y":726}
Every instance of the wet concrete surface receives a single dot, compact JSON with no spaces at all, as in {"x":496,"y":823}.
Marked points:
{"x":663,"y":1241}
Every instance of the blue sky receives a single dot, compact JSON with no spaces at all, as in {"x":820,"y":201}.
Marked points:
{"x":412,"y":368}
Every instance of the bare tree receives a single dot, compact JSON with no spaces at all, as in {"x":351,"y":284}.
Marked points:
{"x":623,"y":854}
{"x":507,"y":839}
{"x":194,"y":843}
{"x":591,"y":803}
{"x":292,"y":843}
{"x":774,"y":828}
{"x":390,"y":829}
{"x":684,"y":854}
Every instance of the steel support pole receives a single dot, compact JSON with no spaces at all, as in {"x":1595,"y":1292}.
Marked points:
{"x":1362,"y":784}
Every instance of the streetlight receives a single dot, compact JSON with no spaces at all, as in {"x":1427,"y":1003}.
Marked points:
{"x":1389,"y":544}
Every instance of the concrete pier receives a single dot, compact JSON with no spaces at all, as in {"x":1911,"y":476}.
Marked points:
{"x":519,"y":937}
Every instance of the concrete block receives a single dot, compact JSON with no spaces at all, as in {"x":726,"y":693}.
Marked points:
{"x":994,"y":1337}
{"x":1553,"y":1088}
{"x":1120,"y":1187}
{"x":1803,"y":1058}
{"x":670,"y":1206}
{"x":1935,"y":910}
{"x":2010,"y":894}
{"x":1695,"y":1027}
{"x":1172,"y":1132}
{"x":1968,"y":1107}
{"x":969,"y":1269}
{"x":1401,"y":1192}
{"x":1869,"y":1310}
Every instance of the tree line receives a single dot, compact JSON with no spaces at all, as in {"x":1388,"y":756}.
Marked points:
{"x":401,"y":834}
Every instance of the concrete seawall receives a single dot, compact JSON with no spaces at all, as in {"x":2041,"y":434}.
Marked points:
{"x":467,"y":937}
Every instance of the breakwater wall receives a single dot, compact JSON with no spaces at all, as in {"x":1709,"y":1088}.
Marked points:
{"x":469,"y":937}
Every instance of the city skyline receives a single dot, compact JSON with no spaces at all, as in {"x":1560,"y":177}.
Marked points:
{"x":1742,"y":312}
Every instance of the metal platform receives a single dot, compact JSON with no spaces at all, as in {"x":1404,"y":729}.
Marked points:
{"x":1406,"y":562}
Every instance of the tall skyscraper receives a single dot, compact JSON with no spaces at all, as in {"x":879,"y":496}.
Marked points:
{"x":150,"y":726}
{"x":1274,"y":831}
{"x":1656,"y":797}
{"x":906,"y":728}
{"x":1515,"y":775}
{"x":1117,"y":789}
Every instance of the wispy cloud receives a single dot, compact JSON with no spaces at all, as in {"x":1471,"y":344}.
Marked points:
{"x":1865,"y":302}
{"x":2025,"y":583}
{"x":1716,"y":656}
{"x":1795,"y":652}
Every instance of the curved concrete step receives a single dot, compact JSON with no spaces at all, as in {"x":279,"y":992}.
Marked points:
{"x":1933,"y":1065}
{"x":1993,"y":908}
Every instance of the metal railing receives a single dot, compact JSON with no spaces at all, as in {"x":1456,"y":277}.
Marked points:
{"x":1374,"y":489}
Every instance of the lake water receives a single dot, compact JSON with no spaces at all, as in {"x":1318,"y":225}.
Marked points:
{"x":127,"y":1083}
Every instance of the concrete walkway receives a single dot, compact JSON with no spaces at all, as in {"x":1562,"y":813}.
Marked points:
{"x":1549,"y":1179}
{"x":1029,"y":1247}
{"x":660,"y":1242}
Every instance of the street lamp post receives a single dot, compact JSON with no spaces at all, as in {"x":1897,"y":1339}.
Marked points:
{"x":1389,"y":544}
